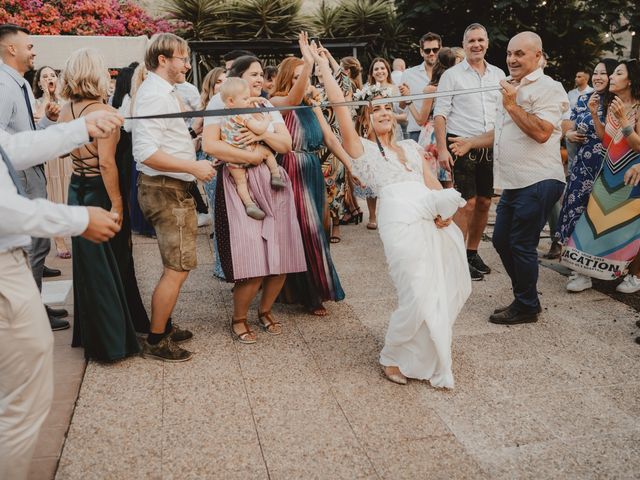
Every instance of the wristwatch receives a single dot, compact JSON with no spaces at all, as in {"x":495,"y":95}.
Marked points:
{"x":192,"y":132}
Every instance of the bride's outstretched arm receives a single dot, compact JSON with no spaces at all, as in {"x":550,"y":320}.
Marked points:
{"x":350,"y":138}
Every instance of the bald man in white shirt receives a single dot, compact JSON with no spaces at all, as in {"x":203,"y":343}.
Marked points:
{"x":26,"y":341}
{"x":527,"y":167}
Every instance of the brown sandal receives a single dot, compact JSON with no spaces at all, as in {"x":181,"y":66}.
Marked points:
{"x":242,"y":337}
{"x":271,"y":326}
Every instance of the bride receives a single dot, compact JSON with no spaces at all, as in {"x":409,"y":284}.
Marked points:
{"x":425,"y":252}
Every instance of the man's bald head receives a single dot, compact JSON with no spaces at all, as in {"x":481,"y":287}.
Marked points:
{"x":523,"y":54}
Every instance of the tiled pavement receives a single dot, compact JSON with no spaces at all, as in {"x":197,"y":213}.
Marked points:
{"x":556,"y":399}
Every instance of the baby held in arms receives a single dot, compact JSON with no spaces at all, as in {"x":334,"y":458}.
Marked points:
{"x":234,"y":92}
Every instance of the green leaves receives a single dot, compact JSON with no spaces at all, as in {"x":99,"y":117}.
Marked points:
{"x":235,"y":19}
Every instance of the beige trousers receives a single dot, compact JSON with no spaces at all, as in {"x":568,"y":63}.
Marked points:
{"x":26,"y":365}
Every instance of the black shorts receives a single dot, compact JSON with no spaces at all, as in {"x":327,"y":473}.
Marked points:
{"x":473,"y":172}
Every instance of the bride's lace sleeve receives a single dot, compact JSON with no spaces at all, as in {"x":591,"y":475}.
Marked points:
{"x":364,"y":167}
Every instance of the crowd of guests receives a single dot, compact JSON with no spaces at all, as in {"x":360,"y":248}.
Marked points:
{"x":278,"y":186}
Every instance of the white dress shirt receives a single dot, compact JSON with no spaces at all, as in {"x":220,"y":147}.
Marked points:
{"x":472,"y":114}
{"x":416,"y":79}
{"x":518,"y":160}
{"x":21,"y":217}
{"x":171,"y":135}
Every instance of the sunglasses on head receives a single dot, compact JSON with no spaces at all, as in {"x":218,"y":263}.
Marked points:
{"x":429,"y":50}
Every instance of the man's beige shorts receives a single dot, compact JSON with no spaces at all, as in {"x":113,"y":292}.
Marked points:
{"x":170,"y":208}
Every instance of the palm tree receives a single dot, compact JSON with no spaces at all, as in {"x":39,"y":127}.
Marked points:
{"x":324,"y":21}
{"x":364,"y":17}
{"x":203,"y":17}
{"x":266,"y":18}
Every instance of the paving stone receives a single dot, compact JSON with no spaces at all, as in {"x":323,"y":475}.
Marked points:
{"x":554,"y":399}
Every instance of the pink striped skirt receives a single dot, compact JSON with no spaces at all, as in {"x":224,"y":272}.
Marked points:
{"x":252,"y":248}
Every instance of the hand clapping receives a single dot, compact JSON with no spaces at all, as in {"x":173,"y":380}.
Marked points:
{"x":617,"y":109}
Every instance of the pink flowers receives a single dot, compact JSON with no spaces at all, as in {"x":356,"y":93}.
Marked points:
{"x":81,"y":17}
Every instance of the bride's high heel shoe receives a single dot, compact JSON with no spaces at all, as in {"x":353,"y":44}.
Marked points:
{"x":398,"y":377}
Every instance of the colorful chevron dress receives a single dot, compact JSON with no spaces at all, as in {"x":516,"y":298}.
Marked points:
{"x":320,"y":282}
{"x":607,"y":236}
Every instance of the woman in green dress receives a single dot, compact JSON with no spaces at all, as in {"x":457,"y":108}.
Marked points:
{"x":102,"y":322}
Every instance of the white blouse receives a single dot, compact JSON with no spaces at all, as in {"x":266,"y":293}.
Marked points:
{"x":377,"y":172}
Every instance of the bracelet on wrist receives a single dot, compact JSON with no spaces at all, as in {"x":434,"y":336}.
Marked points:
{"x":626,"y":131}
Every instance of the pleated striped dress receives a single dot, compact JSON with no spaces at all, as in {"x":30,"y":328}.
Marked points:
{"x":320,"y":282}
{"x":606,"y":238}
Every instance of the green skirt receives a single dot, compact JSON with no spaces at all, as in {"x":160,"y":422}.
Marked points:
{"x":102,"y":323}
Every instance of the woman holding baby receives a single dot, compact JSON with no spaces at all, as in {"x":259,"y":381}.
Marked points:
{"x":254,"y":253}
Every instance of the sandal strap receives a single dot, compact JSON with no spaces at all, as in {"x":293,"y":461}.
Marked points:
{"x":269,"y":319}
{"x":246,"y":326}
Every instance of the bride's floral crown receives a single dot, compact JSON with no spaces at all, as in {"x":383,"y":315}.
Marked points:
{"x":369,"y":92}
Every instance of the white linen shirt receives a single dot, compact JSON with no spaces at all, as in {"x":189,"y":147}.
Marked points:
{"x":22,"y":217}
{"x":518,"y":160}
{"x":171,"y":135}
{"x":575,"y":94}
{"x":472,"y":114}
{"x":416,"y":79}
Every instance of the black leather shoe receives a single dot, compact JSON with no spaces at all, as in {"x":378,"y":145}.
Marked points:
{"x":50,"y":272}
{"x":511,"y":316}
{"x":58,"y":324}
{"x":502,"y":309}
{"x":56,"y":312}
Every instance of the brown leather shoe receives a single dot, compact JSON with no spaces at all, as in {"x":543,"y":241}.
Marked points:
{"x":179,"y":335}
{"x":166,"y":350}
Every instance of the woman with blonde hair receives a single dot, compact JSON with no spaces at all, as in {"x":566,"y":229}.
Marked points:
{"x":102,"y":322}
{"x":425,"y":252}
{"x":380,"y":75}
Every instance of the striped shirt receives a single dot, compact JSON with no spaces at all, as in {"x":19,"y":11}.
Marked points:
{"x":14,"y":114}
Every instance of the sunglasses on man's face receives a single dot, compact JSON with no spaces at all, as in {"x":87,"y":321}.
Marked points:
{"x":429,"y":50}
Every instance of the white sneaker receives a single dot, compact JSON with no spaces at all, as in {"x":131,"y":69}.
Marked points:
{"x":204,"y":219}
{"x":579,"y":283}
{"x":630,"y":284}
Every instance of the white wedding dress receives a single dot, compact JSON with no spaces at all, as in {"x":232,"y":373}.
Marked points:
{"x":428,"y":265}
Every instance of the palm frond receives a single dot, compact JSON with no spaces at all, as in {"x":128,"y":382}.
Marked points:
{"x":203,"y":17}
{"x":266,"y":18}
